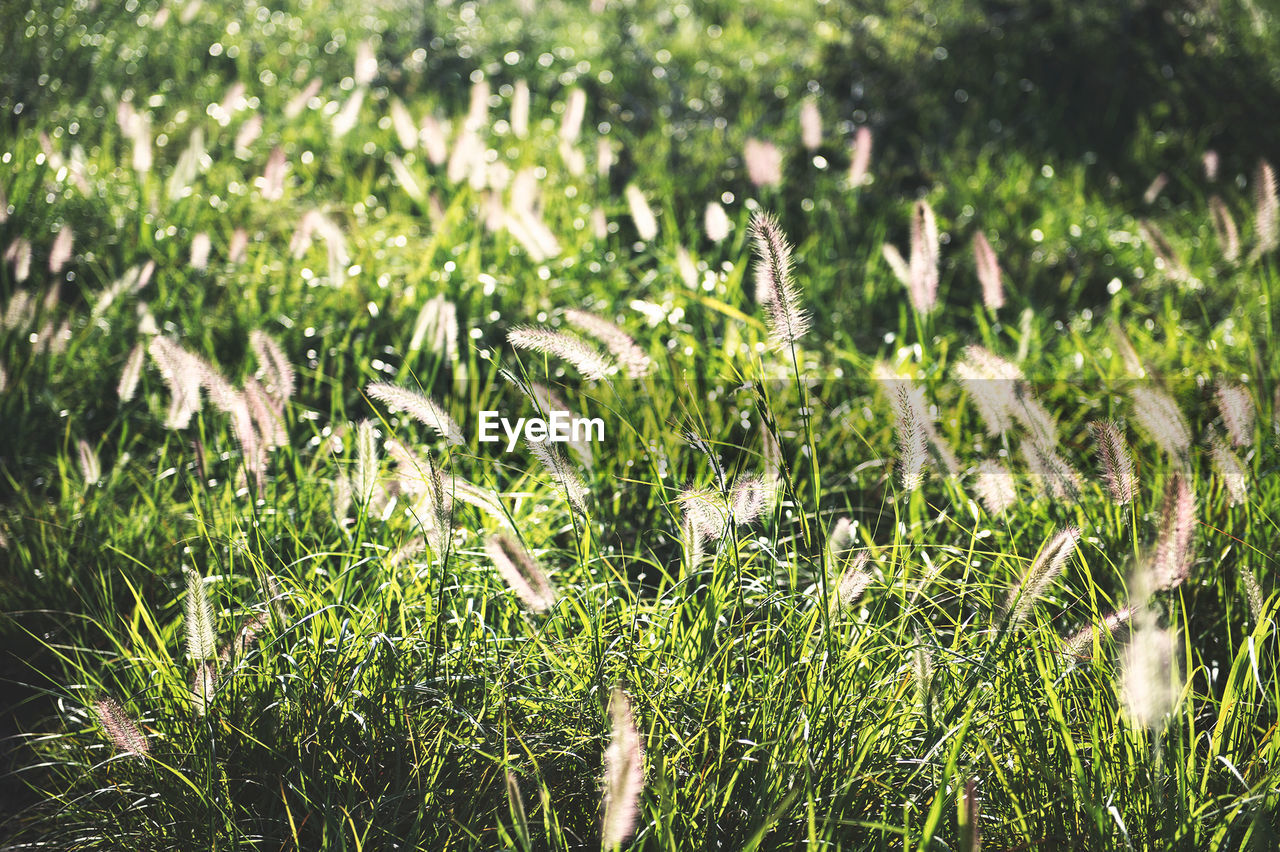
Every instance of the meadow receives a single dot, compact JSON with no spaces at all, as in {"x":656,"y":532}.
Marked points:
{"x":925,"y":495}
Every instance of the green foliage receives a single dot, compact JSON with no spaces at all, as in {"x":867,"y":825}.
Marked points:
{"x":308,"y":631}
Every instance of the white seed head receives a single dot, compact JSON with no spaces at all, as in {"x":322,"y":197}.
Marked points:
{"x":623,"y":774}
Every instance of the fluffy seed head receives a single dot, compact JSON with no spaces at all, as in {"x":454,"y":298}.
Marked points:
{"x":989,"y":276}
{"x":238,"y":244}
{"x":706,"y":512}
{"x":481,"y":498}
{"x":748,"y":499}
{"x":190,"y":163}
{"x":1046,"y":568}
{"x":922,"y":670}
{"x":786,"y":321}
{"x":1173,"y":554}
{"x":563,"y":473}
{"x":1154,"y":189}
{"x":434,"y":509}
{"x":1224,"y":227}
{"x":60,"y":338}
{"x":641,"y":213}
{"x":478,"y":108}
{"x":421,"y":408}
{"x":631,"y":357}
{"x":437,"y":327}
{"x":200,"y":248}
{"x":528,"y":229}
{"x":923,"y":266}
{"x":1210,"y":161}
{"x":575,"y":109}
{"x":233,"y":100}
{"x":520,"y":109}
{"x":314,"y":222}
{"x":1160,"y":417}
{"x":1253,"y":593}
{"x":434,"y":135}
{"x":1231,"y":471}
{"x":547,"y":401}
{"x":810,"y":125}
{"x":266,"y":419}
{"x":994,"y":385}
{"x":364,"y":481}
{"x":246,"y":136}
{"x":688,"y":269}
{"x":90,"y":468}
{"x":1167,"y":259}
{"x":585,"y":358}
{"x":203,"y":684}
{"x":1267,"y":209}
{"x":840,"y":539}
{"x":142,"y":159}
{"x":1033,"y":416}
{"x":764,"y":163}
{"x":19,"y":254}
{"x":1128,"y":354}
{"x":271,"y":184}
{"x":299,"y":102}
{"x":199,"y":620}
{"x":771,"y":452}
{"x":1236,"y":407}
{"x":860,"y":159}
{"x":912,"y":447}
{"x":366,"y":67}
{"x":403,"y":124}
{"x":60,"y":253}
{"x":605,"y":157}
{"x":623,"y":774}
{"x":132,"y":373}
{"x":147,"y":324}
{"x":1054,"y":473}
{"x":1082,"y":643}
{"x":406,"y":179}
{"x":1150,"y":682}
{"x":467,"y":151}
{"x":181,"y":372}
{"x":20,"y":312}
{"x":341,"y":499}
{"x":516,"y":803}
{"x":1117,"y":461}
{"x":716,"y":222}
{"x":854,"y":581}
{"x":274,"y":370}
{"x":123,"y":731}
{"x":518,"y":568}
{"x":994,"y":484}
{"x":897,"y":263}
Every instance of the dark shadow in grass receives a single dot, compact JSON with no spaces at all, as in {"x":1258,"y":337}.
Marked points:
{"x":1134,"y":84}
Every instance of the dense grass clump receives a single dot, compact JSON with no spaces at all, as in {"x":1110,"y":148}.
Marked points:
{"x":512,"y":426}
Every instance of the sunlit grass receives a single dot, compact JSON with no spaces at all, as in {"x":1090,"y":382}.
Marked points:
{"x":377,"y":684}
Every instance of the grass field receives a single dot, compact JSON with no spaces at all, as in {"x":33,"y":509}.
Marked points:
{"x":930,"y":499}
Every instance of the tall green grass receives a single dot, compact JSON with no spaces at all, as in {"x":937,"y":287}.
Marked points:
{"x":374,"y":683}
